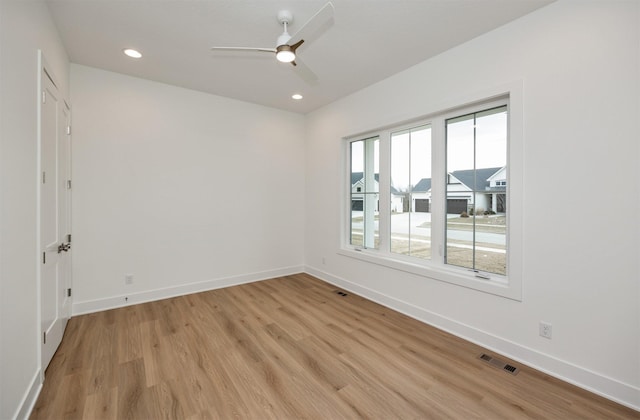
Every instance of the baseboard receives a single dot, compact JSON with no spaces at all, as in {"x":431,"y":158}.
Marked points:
{"x":30,"y":397}
{"x":609,"y":388}
{"x":85,"y":307}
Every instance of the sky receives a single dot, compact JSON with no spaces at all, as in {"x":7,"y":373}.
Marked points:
{"x":490,"y":148}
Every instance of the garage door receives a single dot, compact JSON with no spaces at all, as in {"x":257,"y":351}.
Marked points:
{"x":456,"y":205}
{"x":422,"y":205}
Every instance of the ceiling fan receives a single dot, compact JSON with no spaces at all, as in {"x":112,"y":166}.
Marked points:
{"x":286,"y":45}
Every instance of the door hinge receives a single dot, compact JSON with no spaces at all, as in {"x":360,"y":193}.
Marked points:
{"x":44,"y":337}
{"x":44,"y":177}
{"x":69,"y":292}
{"x":68,"y":130}
{"x":68,"y":184}
{"x":69,"y":237}
{"x":44,"y":258}
{"x":44,"y":97}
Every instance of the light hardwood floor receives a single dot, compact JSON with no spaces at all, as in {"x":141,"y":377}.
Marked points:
{"x":288,"y":348}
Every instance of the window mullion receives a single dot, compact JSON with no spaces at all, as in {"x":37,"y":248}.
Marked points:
{"x":384,"y":216}
{"x":474,"y":194}
{"x":369,"y":196}
{"x":438,"y":191}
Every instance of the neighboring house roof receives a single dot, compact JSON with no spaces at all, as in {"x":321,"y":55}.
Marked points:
{"x":481,"y":178}
{"x":423,"y":185}
{"x":500,"y":175}
{"x":466,"y":177}
{"x":358,"y":176}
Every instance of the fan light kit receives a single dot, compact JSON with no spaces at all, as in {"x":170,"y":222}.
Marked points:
{"x":132,"y":53}
{"x":285,"y":54}
{"x":286,"y":45}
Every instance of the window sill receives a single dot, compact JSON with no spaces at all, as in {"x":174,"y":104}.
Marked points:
{"x":499,"y":286}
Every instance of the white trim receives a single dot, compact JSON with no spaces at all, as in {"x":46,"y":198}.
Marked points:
{"x":612,"y":389}
{"x":89,"y":306}
{"x":38,"y":262}
{"x":30,"y":397}
{"x":450,"y":274}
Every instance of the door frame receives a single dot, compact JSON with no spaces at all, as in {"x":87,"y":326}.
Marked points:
{"x":44,"y":70}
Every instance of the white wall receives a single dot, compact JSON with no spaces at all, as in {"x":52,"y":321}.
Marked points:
{"x":25,"y":27}
{"x":166,"y":183}
{"x":579,"y":64}
{"x":184,"y":190}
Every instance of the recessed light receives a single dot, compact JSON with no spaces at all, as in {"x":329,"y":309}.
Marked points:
{"x":296,"y":96}
{"x":132,"y":53}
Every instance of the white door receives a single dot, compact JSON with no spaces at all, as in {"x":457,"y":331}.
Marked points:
{"x":55,"y":273}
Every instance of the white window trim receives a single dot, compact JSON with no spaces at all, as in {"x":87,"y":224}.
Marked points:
{"x":509,"y":286}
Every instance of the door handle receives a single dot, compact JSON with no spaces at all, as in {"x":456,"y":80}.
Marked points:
{"x":64,"y":247}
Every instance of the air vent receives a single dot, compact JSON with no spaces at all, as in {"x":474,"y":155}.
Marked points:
{"x":511,"y":369}
{"x":340,"y":292}
{"x":497,"y":363}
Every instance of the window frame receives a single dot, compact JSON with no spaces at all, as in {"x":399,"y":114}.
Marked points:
{"x":508,"y":286}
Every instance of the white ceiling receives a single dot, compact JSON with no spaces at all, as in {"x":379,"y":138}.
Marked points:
{"x":370,"y":40}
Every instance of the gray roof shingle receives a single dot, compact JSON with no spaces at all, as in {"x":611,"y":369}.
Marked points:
{"x":423,"y":185}
{"x":357,"y":176}
{"x":480,"y":180}
{"x":467,"y":178}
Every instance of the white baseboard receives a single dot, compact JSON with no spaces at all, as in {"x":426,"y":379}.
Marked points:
{"x":30,"y":397}
{"x":612,"y":389}
{"x":89,"y":306}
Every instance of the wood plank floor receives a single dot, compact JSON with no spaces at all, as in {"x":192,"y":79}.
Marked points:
{"x":288,"y":348}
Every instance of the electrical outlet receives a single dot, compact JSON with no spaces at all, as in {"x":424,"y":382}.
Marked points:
{"x":545,"y":330}
{"x":128,"y":279}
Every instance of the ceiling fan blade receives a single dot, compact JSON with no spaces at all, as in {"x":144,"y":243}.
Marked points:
{"x":295,"y":46}
{"x":315,"y":26}
{"x":269,"y":50}
{"x":304,"y":72}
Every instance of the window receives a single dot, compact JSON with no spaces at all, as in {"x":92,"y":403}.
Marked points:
{"x":410,"y":192}
{"x":476,"y":230}
{"x":364,"y":193}
{"x":431,"y":197}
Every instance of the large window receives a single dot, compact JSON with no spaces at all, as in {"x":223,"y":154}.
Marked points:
{"x":431,"y":197}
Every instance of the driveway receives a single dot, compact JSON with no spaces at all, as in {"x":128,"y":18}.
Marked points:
{"x":400,"y":223}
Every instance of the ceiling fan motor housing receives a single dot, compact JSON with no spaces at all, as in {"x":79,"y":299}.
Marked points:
{"x":285,"y":16}
{"x":283,"y":39}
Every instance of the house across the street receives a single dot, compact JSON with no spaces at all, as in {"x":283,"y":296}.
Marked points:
{"x":467,"y":190}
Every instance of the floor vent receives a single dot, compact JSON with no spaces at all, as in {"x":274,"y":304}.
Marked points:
{"x":497,"y":363}
{"x":511,"y":369}
{"x":341,"y":293}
